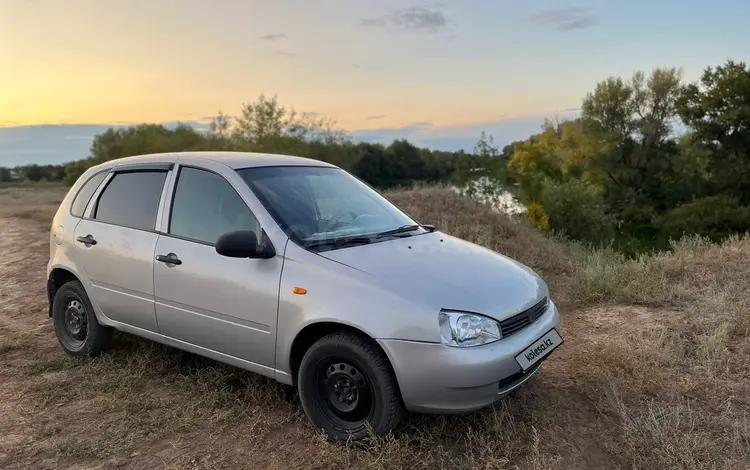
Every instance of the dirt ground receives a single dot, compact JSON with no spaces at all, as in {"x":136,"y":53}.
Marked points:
{"x":148,"y":406}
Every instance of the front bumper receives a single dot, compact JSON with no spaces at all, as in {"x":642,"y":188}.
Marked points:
{"x":435,"y":378}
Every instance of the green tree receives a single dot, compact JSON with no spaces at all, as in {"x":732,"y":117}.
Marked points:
{"x":405,"y":160}
{"x":717,"y":108}
{"x":631,"y":126}
{"x":262,"y":122}
{"x":373,"y":165}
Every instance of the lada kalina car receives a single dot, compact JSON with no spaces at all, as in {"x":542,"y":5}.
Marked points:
{"x":295,"y":269}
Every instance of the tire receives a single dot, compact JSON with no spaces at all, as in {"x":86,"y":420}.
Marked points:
{"x":78,"y":331}
{"x":346,"y":384}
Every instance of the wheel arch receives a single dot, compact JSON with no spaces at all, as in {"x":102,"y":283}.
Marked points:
{"x":58,"y":277}
{"x":308,"y":335}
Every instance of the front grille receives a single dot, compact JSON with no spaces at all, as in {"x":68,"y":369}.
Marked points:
{"x":522,"y":320}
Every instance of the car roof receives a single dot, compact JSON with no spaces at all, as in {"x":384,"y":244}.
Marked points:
{"x":233,"y":160}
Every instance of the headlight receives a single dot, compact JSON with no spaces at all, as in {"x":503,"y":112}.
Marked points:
{"x":461,"y":329}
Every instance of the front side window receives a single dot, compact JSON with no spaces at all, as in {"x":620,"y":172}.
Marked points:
{"x":206,"y":206}
{"x":316,"y":204}
{"x":84,"y":194}
{"x":131,"y":199}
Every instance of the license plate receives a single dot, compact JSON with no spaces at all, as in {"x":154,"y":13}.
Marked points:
{"x":539,"y":349}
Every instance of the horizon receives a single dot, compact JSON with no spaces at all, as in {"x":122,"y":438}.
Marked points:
{"x":437,"y":73}
{"x":62,"y":143}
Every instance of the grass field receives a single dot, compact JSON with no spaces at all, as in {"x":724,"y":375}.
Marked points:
{"x":654,"y":373}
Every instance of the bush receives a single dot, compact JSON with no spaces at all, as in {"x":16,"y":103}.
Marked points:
{"x":535,"y":213}
{"x":577,"y":210}
{"x":715,"y":217}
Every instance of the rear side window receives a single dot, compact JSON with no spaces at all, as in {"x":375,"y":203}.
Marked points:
{"x":131,"y":199}
{"x":85,"y":193}
{"x":206,"y":206}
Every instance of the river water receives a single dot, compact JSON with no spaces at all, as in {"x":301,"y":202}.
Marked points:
{"x":492,"y":193}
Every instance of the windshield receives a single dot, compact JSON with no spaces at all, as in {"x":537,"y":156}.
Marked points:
{"x":324,"y":204}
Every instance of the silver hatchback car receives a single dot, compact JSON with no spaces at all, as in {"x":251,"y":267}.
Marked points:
{"x":294,"y":269}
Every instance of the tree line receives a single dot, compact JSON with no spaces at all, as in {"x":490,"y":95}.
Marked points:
{"x":265,"y":125}
{"x":32,"y":172}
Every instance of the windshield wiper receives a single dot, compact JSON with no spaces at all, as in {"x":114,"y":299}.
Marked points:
{"x":395,"y":231}
{"x":340,"y":242}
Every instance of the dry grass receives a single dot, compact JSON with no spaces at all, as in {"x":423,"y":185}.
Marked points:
{"x":13,"y":344}
{"x":654,"y":373}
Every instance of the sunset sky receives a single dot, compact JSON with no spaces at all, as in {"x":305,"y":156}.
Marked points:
{"x":437,"y":72}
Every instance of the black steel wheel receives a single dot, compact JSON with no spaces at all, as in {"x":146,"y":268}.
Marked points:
{"x":76,"y":324}
{"x":344,"y":392}
{"x":78,"y":331}
{"x":346,"y":385}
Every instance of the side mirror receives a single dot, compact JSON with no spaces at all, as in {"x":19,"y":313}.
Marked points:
{"x":244,"y":244}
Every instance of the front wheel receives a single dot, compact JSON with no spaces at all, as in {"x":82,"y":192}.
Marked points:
{"x":78,"y":331}
{"x":345,"y":384}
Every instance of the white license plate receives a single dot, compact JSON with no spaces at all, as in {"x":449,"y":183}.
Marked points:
{"x":539,"y":349}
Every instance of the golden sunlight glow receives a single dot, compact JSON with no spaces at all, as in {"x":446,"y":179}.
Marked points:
{"x":131,"y":62}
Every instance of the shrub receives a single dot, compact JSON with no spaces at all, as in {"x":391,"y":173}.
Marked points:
{"x":715,"y":217}
{"x":577,"y":210}
{"x":535,"y":213}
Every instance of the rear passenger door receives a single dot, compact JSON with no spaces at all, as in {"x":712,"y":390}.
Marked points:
{"x":227,"y":305}
{"x":115,"y":242}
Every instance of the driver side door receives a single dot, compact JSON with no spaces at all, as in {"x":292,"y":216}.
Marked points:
{"x":226,"y":305}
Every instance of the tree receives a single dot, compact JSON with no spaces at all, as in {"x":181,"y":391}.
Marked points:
{"x":406,"y":160}
{"x":538,"y":159}
{"x":262,"y":121}
{"x":629,"y":127}
{"x":373,"y":165}
{"x":220,"y":126}
{"x":718,"y":111}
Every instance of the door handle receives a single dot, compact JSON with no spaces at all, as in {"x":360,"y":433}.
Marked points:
{"x":88,"y":240}
{"x":170,"y":258}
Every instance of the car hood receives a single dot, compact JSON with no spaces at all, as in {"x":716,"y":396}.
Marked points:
{"x":446,"y":272}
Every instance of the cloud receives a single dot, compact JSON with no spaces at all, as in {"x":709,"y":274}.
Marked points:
{"x":411,"y":19}
{"x":272,"y":37}
{"x":567,"y":19}
{"x":283,"y":53}
{"x":389,"y":134}
{"x":377,"y":116}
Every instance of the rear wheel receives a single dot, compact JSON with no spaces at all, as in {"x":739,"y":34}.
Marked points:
{"x":345,"y":384}
{"x":78,"y":331}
